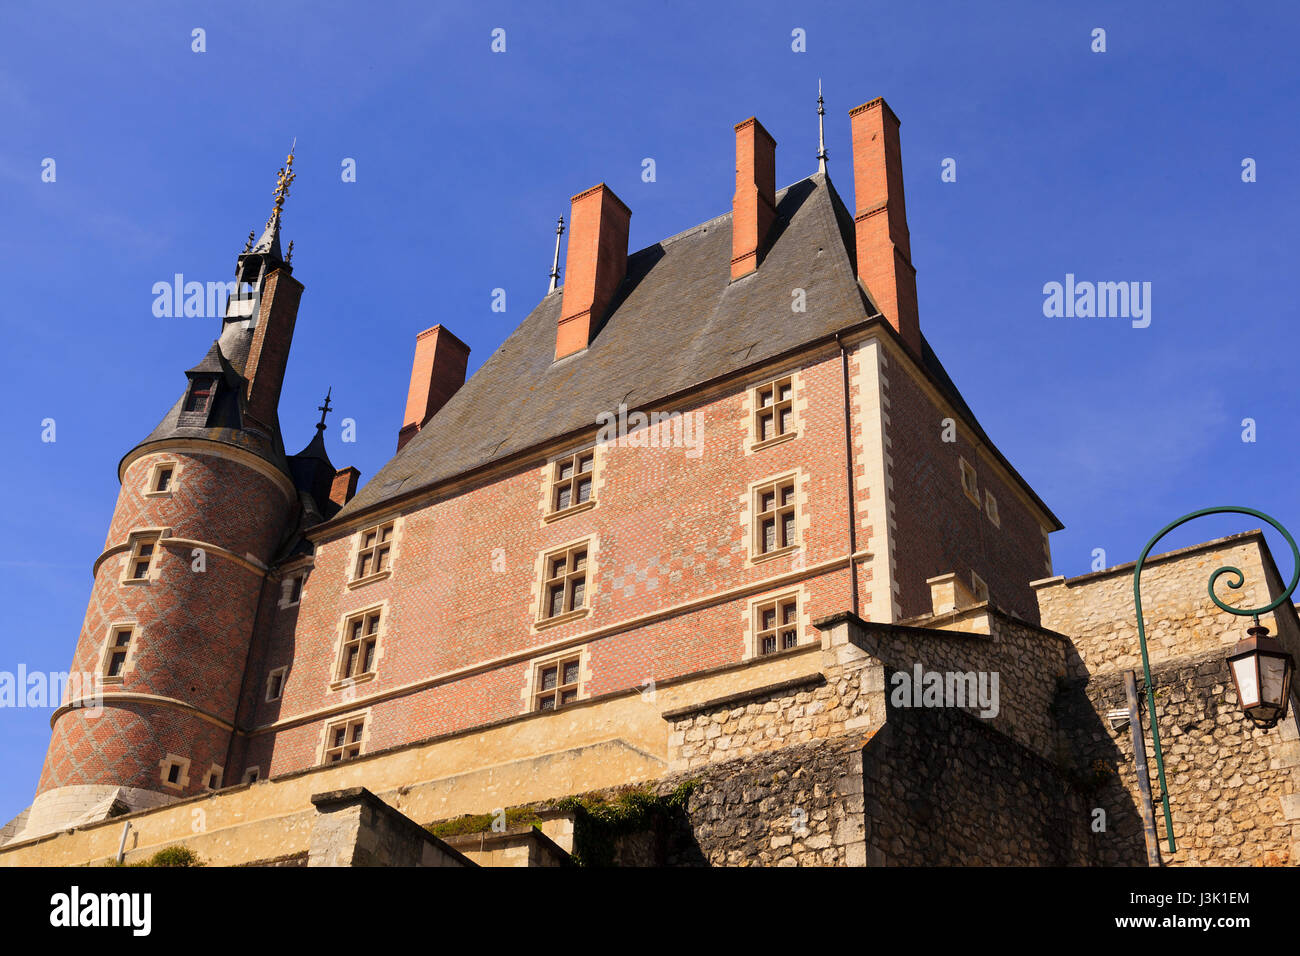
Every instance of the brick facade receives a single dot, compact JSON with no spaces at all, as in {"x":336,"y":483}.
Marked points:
{"x":193,"y":619}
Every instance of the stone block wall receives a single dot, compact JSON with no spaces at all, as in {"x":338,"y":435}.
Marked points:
{"x":943,"y":788}
{"x":353,"y":827}
{"x":1027,"y":659}
{"x":1234,"y":788}
{"x":1097,"y":611}
{"x":767,"y":719}
{"x":798,"y":806}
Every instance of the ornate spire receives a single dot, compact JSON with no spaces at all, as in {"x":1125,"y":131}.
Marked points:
{"x":269,"y":244}
{"x":324,"y":409}
{"x":555,"y":263}
{"x":821,"y":130}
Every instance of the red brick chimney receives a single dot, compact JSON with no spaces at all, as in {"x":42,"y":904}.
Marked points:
{"x":884,"y":248}
{"x":596,"y":263}
{"x":268,"y":354}
{"x":753,"y":208}
{"x":437,"y":372}
{"x":344,"y":485}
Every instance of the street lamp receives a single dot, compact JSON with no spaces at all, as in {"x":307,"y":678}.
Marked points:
{"x":1261,"y":671}
{"x":1260,"y":668}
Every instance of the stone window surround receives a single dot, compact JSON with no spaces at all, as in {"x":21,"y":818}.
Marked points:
{"x":540,"y":577}
{"x":553,"y":467}
{"x":991,"y":508}
{"x":286,"y":588}
{"x":749,"y":516}
{"x":532,"y":676}
{"x":394,"y":548}
{"x":252,"y":775}
{"x":341,"y":639}
{"x":979,"y":589}
{"x":151,"y":482}
{"x":750,"y":408}
{"x":135,"y":539}
{"x":215,"y":770}
{"x":106,"y":651}
{"x":752,"y":625}
{"x":969,"y":481}
{"x":283,"y":672}
{"x":599,"y":452}
{"x":344,"y":720}
{"x":175,"y":760}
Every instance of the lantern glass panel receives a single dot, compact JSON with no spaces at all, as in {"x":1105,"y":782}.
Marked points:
{"x":1243,"y":669}
{"x":1272,"y":671}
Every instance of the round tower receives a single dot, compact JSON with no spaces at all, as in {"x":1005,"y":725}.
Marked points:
{"x":206,"y":503}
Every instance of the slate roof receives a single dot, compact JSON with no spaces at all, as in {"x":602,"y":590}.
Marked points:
{"x":676,"y":322}
{"x":226,"y":357}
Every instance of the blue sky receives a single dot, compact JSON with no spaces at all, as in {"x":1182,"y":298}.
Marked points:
{"x":1115,"y":166}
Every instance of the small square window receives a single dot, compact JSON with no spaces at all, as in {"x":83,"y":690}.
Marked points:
{"x":979,"y":590}
{"x":558,"y":683}
{"x":252,"y":775}
{"x":343,"y":740}
{"x":175,"y":772}
{"x":571,"y":481}
{"x":161,"y":479}
{"x":214,"y":778}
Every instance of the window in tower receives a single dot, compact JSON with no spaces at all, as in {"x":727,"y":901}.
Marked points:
{"x":175,"y":772}
{"x":345,"y":739}
{"x":573,"y":483}
{"x":214,"y":777}
{"x":198,"y":401}
{"x":252,"y":775}
{"x":117,"y":653}
{"x":140,"y":560}
{"x":776,"y":518}
{"x":776,"y":625}
{"x":773,"y":412}
{"x":375,"y":552}
{"x":564,"y":583}
{"x":162,"y":479}
{"x":979,"y":590}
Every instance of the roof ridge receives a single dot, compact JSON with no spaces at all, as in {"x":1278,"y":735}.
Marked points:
{"x":700,"y":226}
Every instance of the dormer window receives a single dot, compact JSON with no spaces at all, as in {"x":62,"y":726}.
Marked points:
{"x":198,"y":401}
{"x":200,"y":395}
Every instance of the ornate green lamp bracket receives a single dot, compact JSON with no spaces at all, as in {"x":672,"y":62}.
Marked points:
{"x":1236,"y":581}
